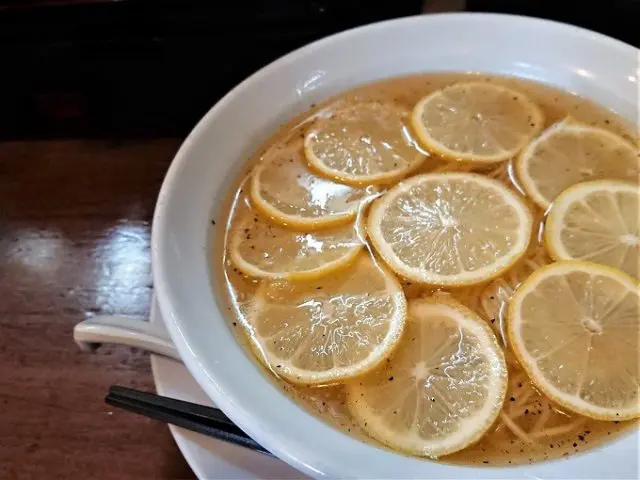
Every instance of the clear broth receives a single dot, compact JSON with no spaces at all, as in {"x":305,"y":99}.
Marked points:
{"x":530,"y":410}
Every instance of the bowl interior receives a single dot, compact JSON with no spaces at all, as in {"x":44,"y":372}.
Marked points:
{"x":576,"y":60}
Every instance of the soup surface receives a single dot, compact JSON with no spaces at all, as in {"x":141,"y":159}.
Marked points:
{"x":316,"y":212}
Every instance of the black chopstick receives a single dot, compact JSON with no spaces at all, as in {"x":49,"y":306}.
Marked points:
{"x":198,"y":418}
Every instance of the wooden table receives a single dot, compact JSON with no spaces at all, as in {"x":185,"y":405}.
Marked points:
{"x":74,"y":242}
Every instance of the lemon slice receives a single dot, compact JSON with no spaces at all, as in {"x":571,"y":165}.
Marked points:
{"x":330,"y":329}
{"x":442,"y":389}
{"x":568,"y":153}
{"x":450,"y":228}
{"x":476,"y":122}
{"x":285,"y":190}
{"x":368,"y":143}
{"x":575,"y":327}
{"x":597,"y":221}
{"x":265,"y":250}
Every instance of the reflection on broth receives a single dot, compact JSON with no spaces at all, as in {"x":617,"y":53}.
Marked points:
{"x":311,"y":225}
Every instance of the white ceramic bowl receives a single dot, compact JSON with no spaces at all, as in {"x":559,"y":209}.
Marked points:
{"x":574,"y":59}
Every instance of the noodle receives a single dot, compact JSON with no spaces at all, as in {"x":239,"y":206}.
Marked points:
{"x":499,"y":173}
{"x":559,"y":430}
{"x":542,"y":419}
{"x":522,"y":399}
{"x":516,"y":430}
{"x":502,"y":322}
{"x":520,"y":411}
{"x":472,"y":298}
{"x":513,"y":278}
{"x":532,"y":264}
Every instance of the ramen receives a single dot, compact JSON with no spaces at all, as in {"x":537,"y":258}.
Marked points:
{"x":444,"y":265}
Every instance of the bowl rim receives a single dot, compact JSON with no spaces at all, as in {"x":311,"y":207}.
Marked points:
{"x":303,"y":457}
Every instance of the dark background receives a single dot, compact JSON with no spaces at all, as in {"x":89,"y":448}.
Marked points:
{"x":149,"y":68}
{"x":152,"y":68}
{"x":617,"y":18}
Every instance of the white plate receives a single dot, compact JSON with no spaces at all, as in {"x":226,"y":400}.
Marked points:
{"x":208,"y":457}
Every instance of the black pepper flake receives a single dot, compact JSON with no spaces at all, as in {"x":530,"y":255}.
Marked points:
{"x":575,"y":444}
{"x":235,"y":324}
{"x":519,"y":384}
{"x":213,"y":222}
{"x":512,"y":399}
{"x":587,"y":432}
{"x":493,"y":320}
{"x":581,"y":438}
{"x":324,"y":404}
{"x":616,"y":422}
{"x":526,"y":411}
{"x":391,"y":378}
{"x":318,"y":288}
{"x":485,"y":461}
{"x":551,"y":445}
